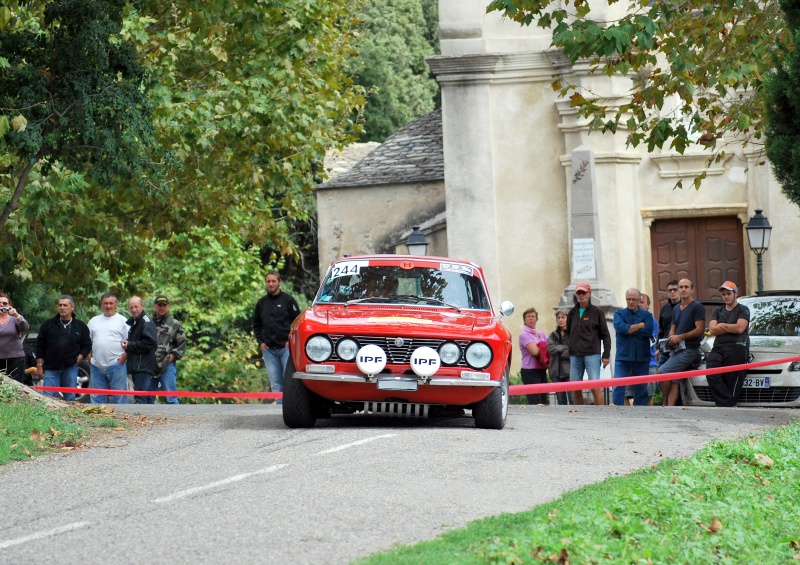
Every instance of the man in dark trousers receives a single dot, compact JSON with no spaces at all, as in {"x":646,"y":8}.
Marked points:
{"x":141,"y":348}
{"x":729,"y":324}
{"x":272,"y":320}
{"x":62,"y":343}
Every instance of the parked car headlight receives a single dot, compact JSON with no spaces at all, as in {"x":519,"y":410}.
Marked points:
{"x":479,"y":355}
{"x":319,"y":348}
{"x":450,"y":353}
{"x":794,"y":366}
{"x":346,"y":349}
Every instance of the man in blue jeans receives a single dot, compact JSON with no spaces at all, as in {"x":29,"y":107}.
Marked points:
{"x":171,"y":347}
{"x":108,"y":370}
{"x":62,"y":343}
{"x":272,"y":320}
{"x":586,"y":329}
{"x":634,"y":327}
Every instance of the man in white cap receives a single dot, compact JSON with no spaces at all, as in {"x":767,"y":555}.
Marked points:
{"x":729,"y":324}
{"x":586,"y":329}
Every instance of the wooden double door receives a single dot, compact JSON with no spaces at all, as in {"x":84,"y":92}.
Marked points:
{"x":707,"y":251}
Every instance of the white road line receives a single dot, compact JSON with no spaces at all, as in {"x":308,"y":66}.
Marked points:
{"x":348,"y":445}
{"x":233,"y":479}
{"x":42,"y":535}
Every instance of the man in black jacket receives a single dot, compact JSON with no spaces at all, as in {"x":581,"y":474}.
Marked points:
{"x":62,"y":343}
{"x":141,"y":348}
{"x":587,"y":329}
{"x":665,"y":316}
{"x":272,"y":320}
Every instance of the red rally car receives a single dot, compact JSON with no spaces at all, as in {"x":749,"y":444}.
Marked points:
{"x":399,"y":335}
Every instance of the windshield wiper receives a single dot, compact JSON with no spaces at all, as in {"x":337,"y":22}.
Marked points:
{"x":442,"y":302}
{"x":370,"y":299}
{"x":403,"y":297}
{"x":418,"y":299}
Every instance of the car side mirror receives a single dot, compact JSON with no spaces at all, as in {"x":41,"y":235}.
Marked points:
{"x":506,"y":308}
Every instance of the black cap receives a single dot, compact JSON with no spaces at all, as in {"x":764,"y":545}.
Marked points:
{"x":161,"y":299}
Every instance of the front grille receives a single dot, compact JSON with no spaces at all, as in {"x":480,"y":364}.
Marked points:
{"x":399,"y":409}
{"x":400,"y":354}
{"x":759,"y":395}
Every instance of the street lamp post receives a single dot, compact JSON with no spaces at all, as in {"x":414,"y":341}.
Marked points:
{"x":758,"y":232}
{"x":416,"y":242}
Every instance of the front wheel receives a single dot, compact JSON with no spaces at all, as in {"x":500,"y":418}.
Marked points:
{"x":491,"y":412}
{"x":297,"y":411}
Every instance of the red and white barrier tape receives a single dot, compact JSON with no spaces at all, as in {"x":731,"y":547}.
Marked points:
{"x":514,"y":390}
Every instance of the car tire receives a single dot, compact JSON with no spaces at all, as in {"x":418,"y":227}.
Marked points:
{"x":491,"y":412}
{"x":297,"y":409}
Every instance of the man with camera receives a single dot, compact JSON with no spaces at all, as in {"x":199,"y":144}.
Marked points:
{"x":685,"y":336}
{"x":12,"y":353}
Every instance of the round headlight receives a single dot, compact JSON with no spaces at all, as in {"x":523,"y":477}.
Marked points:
{"x":346,"y":349}
{"x":479,"y":355}
{"x":319,"y":348}
{"x":450,"y":353}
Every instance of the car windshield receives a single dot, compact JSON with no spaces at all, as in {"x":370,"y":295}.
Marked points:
{"x":449,"y":285}
{"x":774,"y":315}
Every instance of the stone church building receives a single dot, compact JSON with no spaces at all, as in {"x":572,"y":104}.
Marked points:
{"x":523,"y":189}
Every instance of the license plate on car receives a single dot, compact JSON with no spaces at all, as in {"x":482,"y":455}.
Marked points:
{"x":756,"y":382}
{"x":397,"y":384}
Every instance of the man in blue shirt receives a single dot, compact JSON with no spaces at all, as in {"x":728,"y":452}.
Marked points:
{"x":685,"y":335}
{"x":634,"y":327}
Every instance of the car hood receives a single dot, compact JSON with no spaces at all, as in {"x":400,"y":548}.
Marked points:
{"x":423,"y":320}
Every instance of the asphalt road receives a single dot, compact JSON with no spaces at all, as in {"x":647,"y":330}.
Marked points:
{"x":231,"y":484}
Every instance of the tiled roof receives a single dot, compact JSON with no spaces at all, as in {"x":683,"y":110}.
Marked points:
{"x":338,"y":161}
{"x":411,"y":154}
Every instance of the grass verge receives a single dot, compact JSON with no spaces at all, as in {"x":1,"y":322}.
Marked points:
{"x":28,"y":427}
{"x":732,"y":502}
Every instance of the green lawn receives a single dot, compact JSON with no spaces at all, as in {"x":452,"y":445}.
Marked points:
{"x":733,"y":502}
{"x":29,"y":428}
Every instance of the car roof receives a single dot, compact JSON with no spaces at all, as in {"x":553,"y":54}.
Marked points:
{"x":777,"y":293}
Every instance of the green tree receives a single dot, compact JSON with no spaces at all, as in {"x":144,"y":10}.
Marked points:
{"x":392,"y":51}
{"x":72,"y":98}
{"x":245,"y":98}
{"x":783,"y":108}
{"x":697,"y":68}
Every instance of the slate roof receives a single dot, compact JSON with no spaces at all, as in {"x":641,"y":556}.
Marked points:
{"x":411,"y":154}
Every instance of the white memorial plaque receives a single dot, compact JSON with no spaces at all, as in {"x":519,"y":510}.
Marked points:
{"x":583,"y":259}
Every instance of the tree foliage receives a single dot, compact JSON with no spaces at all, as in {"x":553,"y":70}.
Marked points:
{"x":697,"y":68}
{"x":398,"y":36}
{"x":246,"y":98}
{"x":783,"y":109}
{"x":72,"y":98}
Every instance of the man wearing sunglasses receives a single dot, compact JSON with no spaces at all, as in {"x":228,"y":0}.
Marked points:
{"x":665,"y":316}
{"x":586,"y":329}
